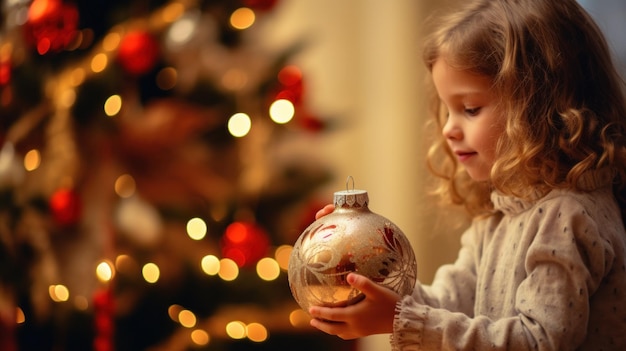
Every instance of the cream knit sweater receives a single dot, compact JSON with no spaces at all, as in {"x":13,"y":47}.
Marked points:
{"x":547,"y":275}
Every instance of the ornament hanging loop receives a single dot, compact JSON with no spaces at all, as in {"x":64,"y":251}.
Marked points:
{"x":348,"y":184}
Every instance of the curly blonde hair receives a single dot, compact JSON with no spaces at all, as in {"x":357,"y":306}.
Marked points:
{"x":563,"y":99}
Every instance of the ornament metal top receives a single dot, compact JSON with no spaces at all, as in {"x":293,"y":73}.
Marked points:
{"x":350,"y":239}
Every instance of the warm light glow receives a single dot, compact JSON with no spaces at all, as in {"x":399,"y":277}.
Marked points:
{"x":173,"y":311}
{"x":299,"y":318}
{"x":210,"y":265}
{"x":196,"y":228}
{"x":113,"y":105}
{"x":200,"y":337}
{"x":256,"y":332}
{"x":187,"y":319}
{"x":99,"y":62}
{"x":105,"y":271}
{"x":151,"y":272}
{"x":282,"y":111}
{"x":242,"y":18}
{"x":78,"y":76}
{"x":239,"y":124}
{"x":166,"y":78}
{"x":282,"y":255}
{"x":172,"y":12}
{"x":111,"y":42}
{"x":68,"y":97}
{"x":228,"y":269}
{"x":268,"y":269}
{"x":32,"y":160}
{"x":20,"y":317}
{"x":59,"y":293}
{"x":125,"y":186}
{"x":236,"y":330}
{"x":182,"y":30}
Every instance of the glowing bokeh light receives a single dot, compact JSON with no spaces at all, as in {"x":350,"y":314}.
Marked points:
{"x":282,"y":111}
{"x":173,"y":311}
{"x":196,"y":228}
{"x":111,"y":42}
{"x":200,"y":337}
{"x":125,"y":186}
{"x":99,"y":62}
{"x":236,"y":330}
{"x":210,"y":264}
{"x":113,"y":105}
{"x":242,"y":18}
{"x":228,"y":269}
{"x":32,"y":160}
{"x":187,"y":319}
{"x":299,"y":318}
{"x":105,"y":271}
{"x":282,"y":255}
{"x":59,"y":293}
{"x":151,"y":272}
{"x":256,"y":332}
{"x":268,"y":269}
{"x":19,"y":316}
{"x":239,"y":124}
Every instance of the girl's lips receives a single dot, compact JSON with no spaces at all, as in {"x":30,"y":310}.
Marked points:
{"x":464,"y":156}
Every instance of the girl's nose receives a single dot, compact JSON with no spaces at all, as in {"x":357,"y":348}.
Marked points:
{"x":451,"y":129}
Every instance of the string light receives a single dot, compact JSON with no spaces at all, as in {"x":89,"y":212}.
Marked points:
{"x":196,"y":228}
{"x":242,"y":18}
{"x":228,"y":269}
{"x":282,"y":111}
{"x":59,"y":293}
{"x":210,"y":265}
{"x":239,"y":124}
{"x":236,"y":329}
{"x":256,"y":332}
{"x":113,"y":105}
{"x":105,"y":271}
{"x":151,"y":272}
{"x":32,"y":160}
{"x":200,"y":337}
{"x":268,"y":269}
{"x":282,"y":255}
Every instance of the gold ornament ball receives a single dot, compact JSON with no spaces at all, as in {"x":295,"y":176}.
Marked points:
{"x":350,"y":239}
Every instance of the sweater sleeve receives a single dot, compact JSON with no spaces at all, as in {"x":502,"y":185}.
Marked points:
{"x":565,"y":260}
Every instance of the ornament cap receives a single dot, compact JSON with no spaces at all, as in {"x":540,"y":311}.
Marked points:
{"x":351,"y":199}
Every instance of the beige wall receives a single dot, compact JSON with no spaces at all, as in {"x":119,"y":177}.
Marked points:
{"x":363,"y":64}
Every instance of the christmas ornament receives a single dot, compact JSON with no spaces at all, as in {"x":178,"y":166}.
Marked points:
{"x":138,"y":52}
{"x":350,"y":239}
{"x":65,"y":206}
{"x":52,"y":25}
{"x":245,"y":243}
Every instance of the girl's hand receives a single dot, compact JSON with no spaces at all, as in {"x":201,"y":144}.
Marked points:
{"x":372,"y":315}
{"x":324,"y":211}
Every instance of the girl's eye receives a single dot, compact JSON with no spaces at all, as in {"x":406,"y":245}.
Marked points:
{"x":472,"y":111}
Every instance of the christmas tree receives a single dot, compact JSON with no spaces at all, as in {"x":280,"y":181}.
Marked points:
{"x":149,"y":197}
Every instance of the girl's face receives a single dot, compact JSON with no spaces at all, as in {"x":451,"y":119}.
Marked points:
{"x":473,"y":125}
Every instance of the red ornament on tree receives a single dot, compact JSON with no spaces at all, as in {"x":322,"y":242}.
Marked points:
{"x":291,"y":84}
{"x":245,"y":243}
{"x":138,"y":52}
{"x":52,"y":25}
{"x":65,"y":206}
{"x":103,"y":318}
{"x":5,"y":70}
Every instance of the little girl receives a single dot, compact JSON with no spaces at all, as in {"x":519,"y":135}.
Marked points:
{"x":532,"y":118}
